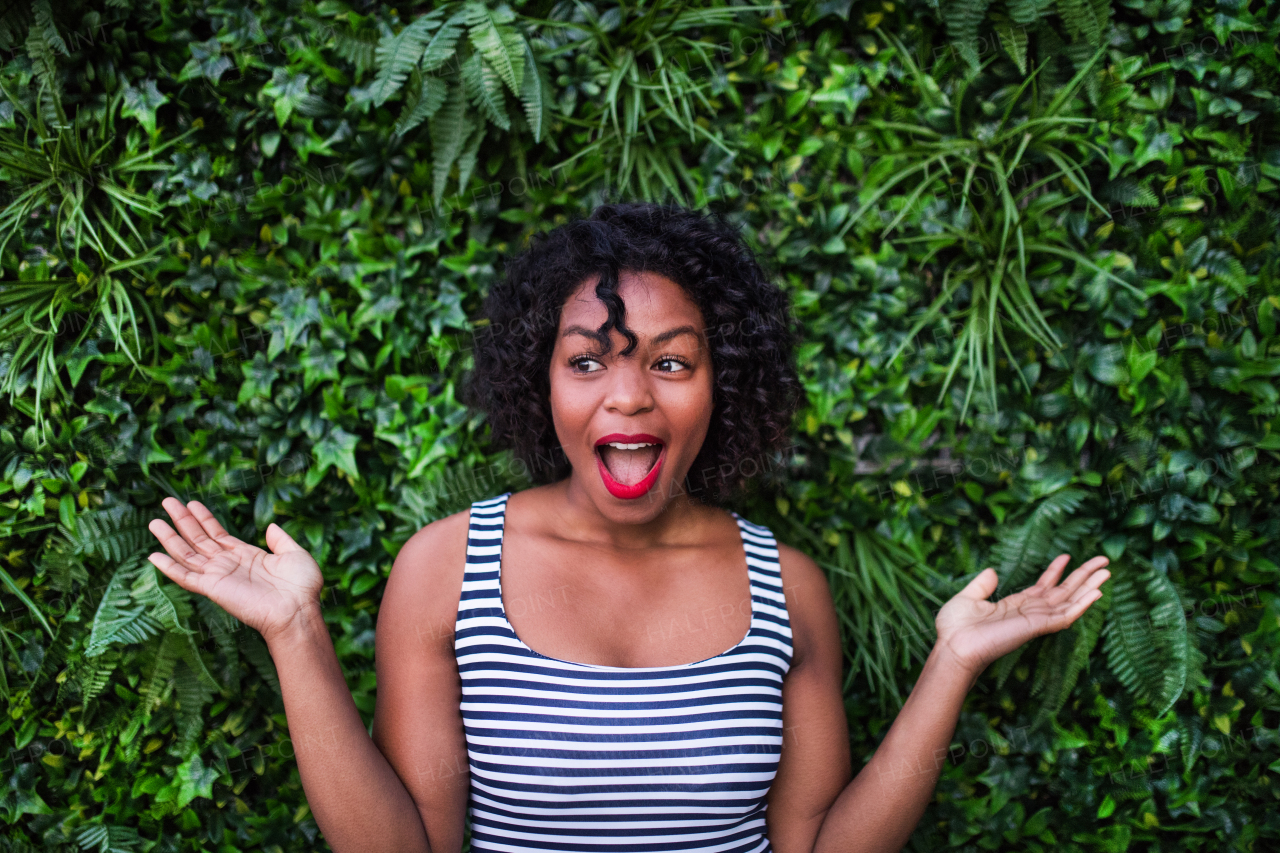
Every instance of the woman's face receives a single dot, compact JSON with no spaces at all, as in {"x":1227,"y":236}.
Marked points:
{"x":631,"y":426}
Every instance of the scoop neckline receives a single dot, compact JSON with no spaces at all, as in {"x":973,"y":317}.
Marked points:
{"x":502,"y":609}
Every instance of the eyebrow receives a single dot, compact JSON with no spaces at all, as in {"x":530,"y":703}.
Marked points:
{"x":655,"y":341}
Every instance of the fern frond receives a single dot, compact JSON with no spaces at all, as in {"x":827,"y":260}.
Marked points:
{"x":535,"y":94}
{"x":1102,"y":13}
{"x":360,"y":48}
{"x":94,"y":679}
{"x":449,"y":130}
{"x":1062,"y":658}
{"x":398,"y":54}
{"x":1226,"y":269}
{"x":115,"y":534}
{"x":501,"y":46}
{"x":48,"y":30}
{"x":88,"y":678}
{"x":1068,"y":536}
{"x":1023,"y":550}
{"x":119,"y":619}
{"x":46,"y":68}
{"x":191,"y":654}
{"x":1147,"y":643}
{"x":223,"y":627}
{"x":62,"y":565}
{"x":963,"y":18}
{"x":427,"y":100}
{"x":444,"y":44}
{"x":168,"y":604}
{"x":485,"y":90}
{"x":470,"y":153}
{"x":1014,"y":41}
{"x":192,"y":693}
{"x":256,"y":653}
{"x":1130,"y":192}
{"x":161,"y":678}
{"x":1027,"y":12}
{"x":1190,"y":737}
{"x":1080,"y":20}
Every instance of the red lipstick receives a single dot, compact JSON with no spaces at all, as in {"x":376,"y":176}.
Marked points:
{"x":622,"y":490}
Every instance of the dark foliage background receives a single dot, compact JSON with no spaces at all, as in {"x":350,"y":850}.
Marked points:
{"x":1032,"y":244}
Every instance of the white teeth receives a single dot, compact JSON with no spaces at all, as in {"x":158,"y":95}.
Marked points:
{"x":620,"y":446}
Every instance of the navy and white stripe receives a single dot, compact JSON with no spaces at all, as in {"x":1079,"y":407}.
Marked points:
{"x":581,"y":757}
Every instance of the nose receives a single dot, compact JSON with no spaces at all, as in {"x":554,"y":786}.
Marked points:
{"x":629,"y":392}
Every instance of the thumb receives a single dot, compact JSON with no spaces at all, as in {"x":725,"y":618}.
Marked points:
{"x":280,"y":542}
{"x":982,"y":586}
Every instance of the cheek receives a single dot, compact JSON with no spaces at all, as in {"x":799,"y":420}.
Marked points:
{"x":690,"y":407}
{"x":571,"y":408}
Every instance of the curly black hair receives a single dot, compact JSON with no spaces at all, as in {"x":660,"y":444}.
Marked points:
{"x":750,"y":330}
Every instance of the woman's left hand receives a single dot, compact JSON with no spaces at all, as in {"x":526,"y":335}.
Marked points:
{"x":976,"y":632}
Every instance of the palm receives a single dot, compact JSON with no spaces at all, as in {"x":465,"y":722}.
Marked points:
{"x":263,"y":589}
{"x":977,"y":631}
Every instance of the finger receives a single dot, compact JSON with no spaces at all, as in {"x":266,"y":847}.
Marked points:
{"x":211,"y":526}
{"x":1094,"y":581}
{"x":1050,"y":577}
{"x":1077,"y":608}
{"x":180,"y":549}
{"x":190,"y":528}
{"x":280,"y":542}
{"x":1080,"y":575}
{"x":178,"y":573}
{"x":982,"y":585}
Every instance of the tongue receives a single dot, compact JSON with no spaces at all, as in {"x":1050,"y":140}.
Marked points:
{"x":629,"y":467}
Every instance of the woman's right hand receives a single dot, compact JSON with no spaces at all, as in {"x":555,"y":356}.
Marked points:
{"x":267,"y":591}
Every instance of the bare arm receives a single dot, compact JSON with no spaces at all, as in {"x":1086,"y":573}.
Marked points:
{"x":812,"y":809}
{"x":357,"y":799}
{"x":880,"y":808}
{"x":356,"y":788}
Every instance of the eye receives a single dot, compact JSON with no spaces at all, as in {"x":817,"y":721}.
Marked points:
{"x":671,"y":364}
{"x":582,"y":364}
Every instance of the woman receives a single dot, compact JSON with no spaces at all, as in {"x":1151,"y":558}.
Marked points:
{"x":609,"y":661}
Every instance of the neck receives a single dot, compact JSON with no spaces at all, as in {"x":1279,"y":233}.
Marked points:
{"x":653,"y":520}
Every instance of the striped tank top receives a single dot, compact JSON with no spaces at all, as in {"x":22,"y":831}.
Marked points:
{"x":583,"y":757}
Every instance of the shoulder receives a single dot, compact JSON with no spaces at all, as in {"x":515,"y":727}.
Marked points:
{"x":425,"y":584}
{"x":815,"y":631}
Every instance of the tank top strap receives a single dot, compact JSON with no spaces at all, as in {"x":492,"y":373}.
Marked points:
{"x":769,"y":612}
{"x":480,"y":605}
{"x":484,"y":536}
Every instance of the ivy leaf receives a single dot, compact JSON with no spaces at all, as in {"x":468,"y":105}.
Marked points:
{"x":206,"y":61}
{"x":195,"y":780}
{"x":288,"y":91}
{"x":320,"y":363}
{"x":143,"y":103}
{"x":336,"y":449}
{"x":448,"y":310}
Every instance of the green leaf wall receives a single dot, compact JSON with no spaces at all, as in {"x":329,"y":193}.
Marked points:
{"x":1032,"y":247}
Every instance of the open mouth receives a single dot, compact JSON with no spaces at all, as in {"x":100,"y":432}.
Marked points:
{"x":629,"y":464}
